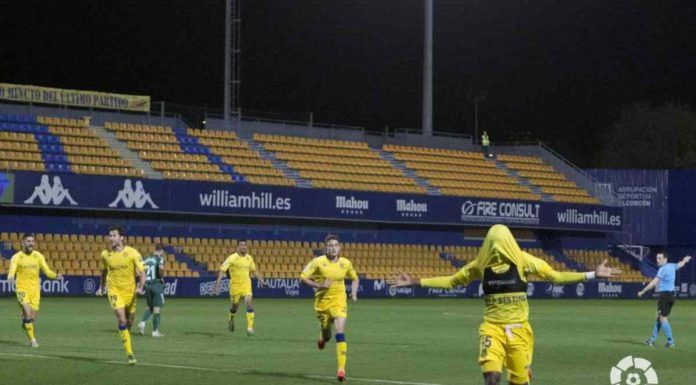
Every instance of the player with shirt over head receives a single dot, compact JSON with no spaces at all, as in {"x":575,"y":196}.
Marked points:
{"x":327,"y":275}
{"x":506,"y":338}
{"x":664,"y":280}
{"x":25,"y":267}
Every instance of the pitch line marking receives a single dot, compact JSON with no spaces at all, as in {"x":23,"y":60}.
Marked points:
{"x":376,"y":380}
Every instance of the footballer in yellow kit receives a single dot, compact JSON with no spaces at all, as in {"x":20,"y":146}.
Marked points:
{"x":240,"y":266}
{"x":506,"y":338}
{"x":121,"y":265}
{"x":327,"y":275}
{"x":25,"y":267}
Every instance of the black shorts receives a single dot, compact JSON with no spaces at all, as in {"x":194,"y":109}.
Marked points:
{"x":664,"y":303}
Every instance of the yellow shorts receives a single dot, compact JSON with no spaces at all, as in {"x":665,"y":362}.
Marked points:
{"x":237,"y":295}
{"x":32,"y":298}
{"x":510,"y":346}
{"x":327,"y":313}
{"x":122,"y":300}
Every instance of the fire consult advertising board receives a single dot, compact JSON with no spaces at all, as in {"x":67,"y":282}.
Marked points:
{"x":69,"y":191}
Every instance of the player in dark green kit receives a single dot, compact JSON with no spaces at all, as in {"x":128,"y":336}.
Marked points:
{"x":154,"y":290}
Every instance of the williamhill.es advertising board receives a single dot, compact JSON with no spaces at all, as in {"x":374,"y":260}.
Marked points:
{"x":69,"y":191}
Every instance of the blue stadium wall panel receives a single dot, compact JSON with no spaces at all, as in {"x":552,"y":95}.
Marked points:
{"x":644,"y":197}
{"x":103,"y":193}
{"x":682,"y":208}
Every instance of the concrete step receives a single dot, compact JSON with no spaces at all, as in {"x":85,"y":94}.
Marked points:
{"x":522,"y":181}
{"x":126,"y":153}
{"x":432,"y":190}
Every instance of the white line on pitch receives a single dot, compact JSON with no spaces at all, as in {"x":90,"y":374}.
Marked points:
{"x":221,"y":370}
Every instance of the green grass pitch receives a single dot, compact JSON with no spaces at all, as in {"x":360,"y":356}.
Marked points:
{"x":390,"y":341}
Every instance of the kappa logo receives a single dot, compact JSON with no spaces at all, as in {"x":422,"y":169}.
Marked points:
{"x":47,"y":194}
{"x":633,"y":371}
{"x":130,"y":198}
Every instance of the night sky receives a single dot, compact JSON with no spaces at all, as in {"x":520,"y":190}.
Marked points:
{"x":555,"y":71}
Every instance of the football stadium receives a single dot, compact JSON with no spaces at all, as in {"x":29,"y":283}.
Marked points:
{"x":144,"y":240}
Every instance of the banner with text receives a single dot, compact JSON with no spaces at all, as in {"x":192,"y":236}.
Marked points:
{"x":643,"y":195}
{"x":292,"y":288}
{"x":65,"y":97}
{"x":242,"y":199}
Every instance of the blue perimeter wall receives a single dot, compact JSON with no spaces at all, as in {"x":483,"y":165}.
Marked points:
{"x":291,"y":288}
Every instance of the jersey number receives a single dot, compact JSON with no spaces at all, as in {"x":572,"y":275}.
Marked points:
{"x":151,"y":272}
{"x":485,"y":344}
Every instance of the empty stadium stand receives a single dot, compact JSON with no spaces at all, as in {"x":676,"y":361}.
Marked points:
{"x":461,"y":173}
{"x":73,"y":254}
{"x":538,"y":173}
{"x":57,"y":144}
{"x":159,"y":146}
{"x":338,"y":164}
{"x":591,"y":258}
{"x":53,"y":144}
{"x":241,"y":157}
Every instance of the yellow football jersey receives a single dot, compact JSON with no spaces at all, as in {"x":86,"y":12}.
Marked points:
{"x":503,"y":269}
{"x":321,"y":268}
{"x":239,"y":268}
{"x":26,"y":268}
{"x":121,"y":267}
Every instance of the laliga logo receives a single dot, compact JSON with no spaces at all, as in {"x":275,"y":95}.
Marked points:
{"x":89,"y":286}
{"x":633,"y":371}
{"x":530,"y":289}
{"x":468,"y":208}
{"x":48,"y":194}
{"x":580,"y":289}
{"x":130,"y":197}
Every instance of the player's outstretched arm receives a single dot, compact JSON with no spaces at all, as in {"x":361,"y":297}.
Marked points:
{"x":604,"y":271}
{"x":539,"y":267}
{"x":403,"y":279}
{"x":467,"y":274}
{"x":683,"y":262}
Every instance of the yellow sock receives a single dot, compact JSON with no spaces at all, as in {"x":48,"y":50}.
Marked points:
{"x":29,"y":329}
{"x":250,"y":320}
{"x":341,"y":353}
{"x":126,"y":339}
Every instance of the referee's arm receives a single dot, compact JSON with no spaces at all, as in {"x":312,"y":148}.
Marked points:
{"x":650,"y":286}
